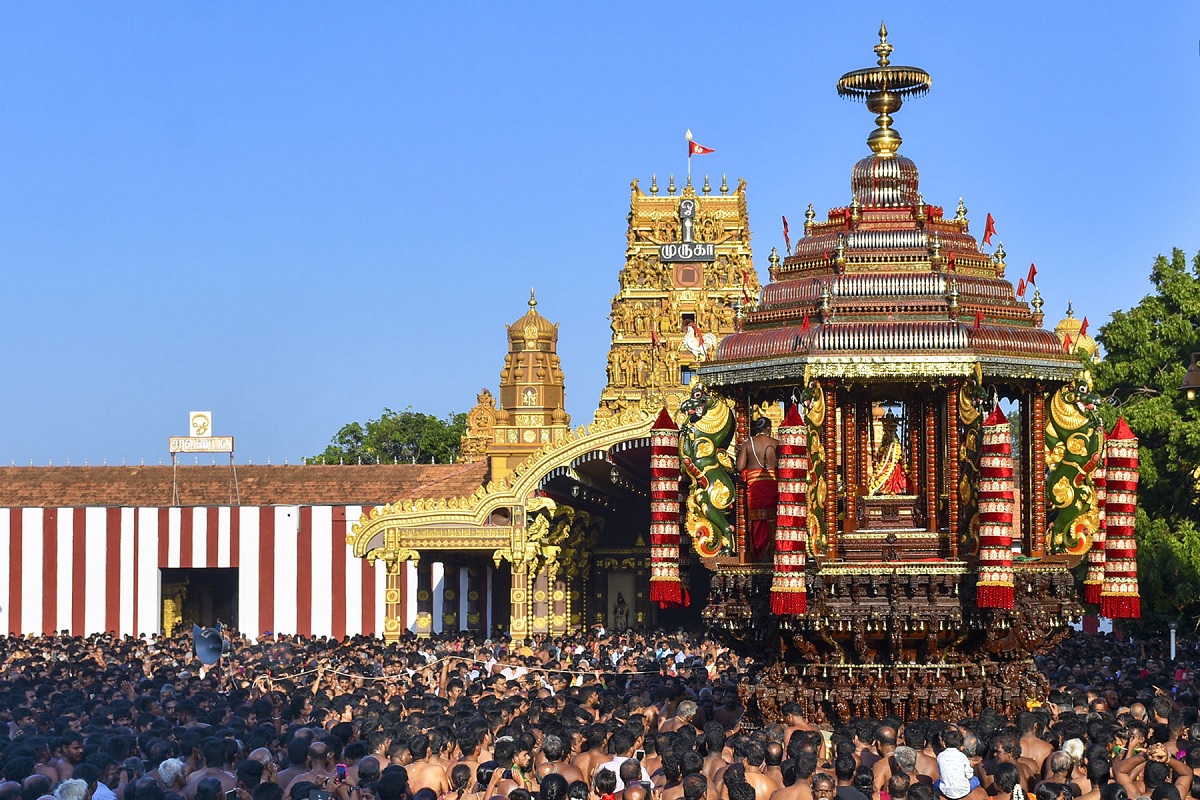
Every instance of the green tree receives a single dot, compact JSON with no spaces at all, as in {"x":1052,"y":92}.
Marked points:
{"x":1146,"y":353}
{"x":397,"y":437}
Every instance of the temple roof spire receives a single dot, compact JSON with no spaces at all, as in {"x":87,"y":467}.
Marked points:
{"x":883,"y":88}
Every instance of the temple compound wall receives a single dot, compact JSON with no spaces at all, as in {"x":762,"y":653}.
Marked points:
{"x":264,"y":569}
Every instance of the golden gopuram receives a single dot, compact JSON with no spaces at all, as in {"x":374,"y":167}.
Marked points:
{"x":878,"y":472}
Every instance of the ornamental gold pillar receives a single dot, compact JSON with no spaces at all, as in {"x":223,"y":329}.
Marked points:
{"x":913,"y":417}
{"x":576,"y":592}
{"x":520,"y":608}
{"x":952,"y":466}
{"x":395,"y":590}
{"x":741,"y":519}
{"x":829,"y":433}
{"x":853,"y":461}
{"x":540,"y":622}
{"x":930,"y":466}
{"x":1035,"y":432}
{"x":393,"y":601}
{"x":560,"y":605}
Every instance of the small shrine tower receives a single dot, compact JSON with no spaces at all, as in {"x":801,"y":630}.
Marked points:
{"x":531,"y":412}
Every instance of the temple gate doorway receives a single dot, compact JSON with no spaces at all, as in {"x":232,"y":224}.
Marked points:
{"x":198,"y":597}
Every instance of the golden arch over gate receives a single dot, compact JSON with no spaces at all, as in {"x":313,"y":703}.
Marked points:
{"x":535,"y":543}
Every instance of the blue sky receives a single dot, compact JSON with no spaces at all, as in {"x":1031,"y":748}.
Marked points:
{"x":296,"y":214}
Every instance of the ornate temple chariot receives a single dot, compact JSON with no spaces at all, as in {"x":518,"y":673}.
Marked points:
{"x":939,"y":467}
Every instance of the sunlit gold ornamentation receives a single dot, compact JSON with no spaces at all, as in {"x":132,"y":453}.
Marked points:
{"x":1063,"y":493}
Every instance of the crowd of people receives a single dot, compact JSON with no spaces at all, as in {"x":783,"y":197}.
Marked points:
{"x":639,"y":715}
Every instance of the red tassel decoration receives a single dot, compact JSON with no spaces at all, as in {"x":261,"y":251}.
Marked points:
{"x":1119,"y":598}
{"x":994,"y":587}
{"x":788,"y":591}
{"x":665,"y":586}
{"x":1094,"y":583}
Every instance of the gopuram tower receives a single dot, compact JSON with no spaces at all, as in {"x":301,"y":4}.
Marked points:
{"x":688,"y":268}
{"x":894,"y":572}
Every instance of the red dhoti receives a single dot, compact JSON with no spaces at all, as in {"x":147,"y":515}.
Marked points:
{"x":762,"y":497}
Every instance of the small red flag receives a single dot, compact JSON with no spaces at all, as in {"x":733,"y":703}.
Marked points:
{"x":1083,"y":327}
{"x":1021,"y":288}
{"x":787,"y":240}
{"x":654,"y":340}
{"x":950,"y":263}
{"x":1066,"y":344}
{"x":697,"y":149}
{"x":1032,"y":273}
{"x":806,"y":325}
{"x":989,"y":229}
{"x":978,"y":319}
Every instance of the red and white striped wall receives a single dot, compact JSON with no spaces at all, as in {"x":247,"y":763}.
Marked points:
{"x":88,"y":570}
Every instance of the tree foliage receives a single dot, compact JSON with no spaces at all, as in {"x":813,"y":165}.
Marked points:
{"x":397,"y":437}
{"x":1146,"y":353}
{"x":1168,"y":567}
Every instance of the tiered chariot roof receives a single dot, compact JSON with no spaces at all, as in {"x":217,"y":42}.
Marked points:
{"x":889,"y":275}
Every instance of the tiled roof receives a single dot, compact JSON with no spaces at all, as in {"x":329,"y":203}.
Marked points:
{"x":38,"y":487}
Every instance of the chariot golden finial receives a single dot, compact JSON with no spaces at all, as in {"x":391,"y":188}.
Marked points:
{"x":532,"y":299}
{"x":883,"y":88}
{"x":654,"y":184}
{"x":883,"y":49}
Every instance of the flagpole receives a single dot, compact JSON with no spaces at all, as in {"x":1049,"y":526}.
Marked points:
{"x":688,"y":136}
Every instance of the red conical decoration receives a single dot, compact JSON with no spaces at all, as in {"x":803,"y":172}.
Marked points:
{"x":665,"y":586}
{"x":1119,"y":598}
{"x":995,"y":565}
{"x":1094,"y":583}
{"x":788,"y":591}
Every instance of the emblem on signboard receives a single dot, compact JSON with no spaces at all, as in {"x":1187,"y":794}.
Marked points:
{"x":200,"y":423}
{"x":687,"y":249}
